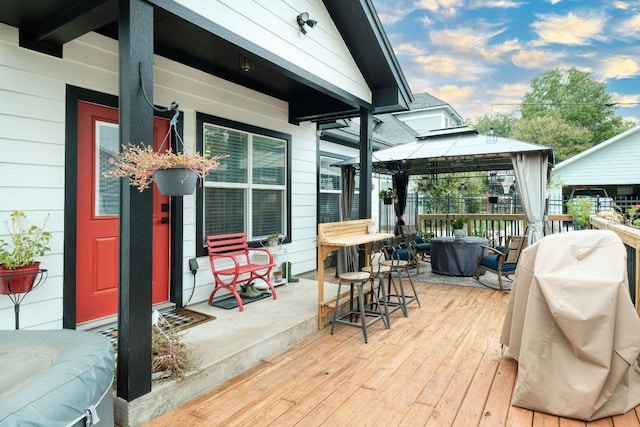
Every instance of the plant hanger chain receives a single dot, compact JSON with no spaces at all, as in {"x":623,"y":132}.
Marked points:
{"x":172,"y":107}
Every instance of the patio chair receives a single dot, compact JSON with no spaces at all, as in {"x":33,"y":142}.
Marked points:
{"x":361,"y":313}
{"x":501,"y":262}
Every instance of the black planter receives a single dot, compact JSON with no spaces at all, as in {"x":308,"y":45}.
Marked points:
{"x":387,"y":201}
{"x":176,"y":181}
{"x":493,"y":199}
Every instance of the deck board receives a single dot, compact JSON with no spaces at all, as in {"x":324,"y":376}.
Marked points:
{"x":440,"y":366}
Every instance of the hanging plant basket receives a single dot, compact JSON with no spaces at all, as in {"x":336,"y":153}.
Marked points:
{"x":18,"y":280}
{"x":176,"y":181}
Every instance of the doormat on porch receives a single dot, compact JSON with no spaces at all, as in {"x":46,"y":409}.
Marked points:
{"x":230,"y":302}
{"x":181,"y":319}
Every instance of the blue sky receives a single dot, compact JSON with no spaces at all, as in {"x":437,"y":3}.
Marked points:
{"x":479,"y":54}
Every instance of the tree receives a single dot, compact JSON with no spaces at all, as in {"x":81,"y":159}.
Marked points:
{"x":566,"y":139}
{"x":578,"y":99}
{"x":502,"y":124}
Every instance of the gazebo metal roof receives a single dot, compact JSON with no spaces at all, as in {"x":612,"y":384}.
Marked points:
{"x":460,"y":149}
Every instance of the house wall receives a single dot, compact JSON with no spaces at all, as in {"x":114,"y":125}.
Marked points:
{"x":611,"y":163}
{"x":320,"y":52}
{"x":423,"y":121}
{"x":32,"y":147}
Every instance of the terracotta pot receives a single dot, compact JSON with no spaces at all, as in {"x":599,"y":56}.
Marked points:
{"x":19,"y":280}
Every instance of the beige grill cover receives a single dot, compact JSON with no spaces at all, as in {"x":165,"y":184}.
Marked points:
{"x":572,"y":327}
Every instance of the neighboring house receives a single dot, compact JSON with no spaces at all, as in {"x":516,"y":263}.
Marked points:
{"x":612,"y":165}
{"x":427,"y":113}
{"x":74,"y":77}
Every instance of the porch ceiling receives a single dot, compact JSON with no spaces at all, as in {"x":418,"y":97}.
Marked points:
{"x":187,"y":38}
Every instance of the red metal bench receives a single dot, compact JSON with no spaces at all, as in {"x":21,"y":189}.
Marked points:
{"x":231,"y":264}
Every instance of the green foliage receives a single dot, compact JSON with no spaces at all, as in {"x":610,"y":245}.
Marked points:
{"x":389,"y":193}
{"x":576,"y":97}
{"x":565,"y":138}
{"x":25,"y":243}
{"x":502,"y":124}
{"x":633,"y":216}
{"x":580,"y":209}
{"x":459,"y":222}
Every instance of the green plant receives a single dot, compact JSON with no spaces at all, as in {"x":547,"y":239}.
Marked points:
{"x":633,"y":216}
{"x":580,"y":209}
{"x":25,"y":243}
{"x":459,"y":222}
{"x":389,"y":194}
{"x":139,"y":163}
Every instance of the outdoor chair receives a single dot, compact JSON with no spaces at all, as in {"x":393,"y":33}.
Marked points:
{"x":395,"y":254}
{"x":361,"y":313}
{"x":421,"y":249}
{"x":501,"y":262}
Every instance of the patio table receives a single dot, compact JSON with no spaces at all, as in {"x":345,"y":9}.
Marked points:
{"x":336,"y":235}
{"x":456,"y":257}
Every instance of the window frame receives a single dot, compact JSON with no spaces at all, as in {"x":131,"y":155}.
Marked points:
{"x":337,"y":158}
{"x":201,"y":120}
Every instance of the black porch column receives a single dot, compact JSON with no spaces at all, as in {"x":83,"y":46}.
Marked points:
{"x":135,"y":37}
{"x":366,"y":130}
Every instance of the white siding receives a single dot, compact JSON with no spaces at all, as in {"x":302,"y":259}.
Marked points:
{"x":613,"y":164}
{"x":272,"y":25}
{"x":32,"y":150}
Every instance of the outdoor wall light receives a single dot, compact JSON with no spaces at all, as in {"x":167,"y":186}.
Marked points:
{"x":246,"y":63}
{"x":302,"y":19}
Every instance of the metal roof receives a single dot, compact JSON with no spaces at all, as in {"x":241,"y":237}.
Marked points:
{"x":460,"y":150}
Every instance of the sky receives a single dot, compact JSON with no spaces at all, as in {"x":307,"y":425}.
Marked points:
{"x":480,"y":56}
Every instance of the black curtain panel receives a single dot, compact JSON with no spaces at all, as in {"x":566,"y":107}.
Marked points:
{"x":401,"y":184}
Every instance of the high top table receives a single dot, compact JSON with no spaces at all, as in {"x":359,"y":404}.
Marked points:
{"x":336,"y":235}
{"x":456,"y":257}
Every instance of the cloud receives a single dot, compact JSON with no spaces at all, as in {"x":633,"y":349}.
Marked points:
{"x":629,"y":27}
{"x":620,"y":67}
{"x":571,"y":29}
{"x":535,"y":59}
{"x":500,"y":4}
{"x":626,"y":100}
{"x":462,"y":69}
{"x":443,"y":8}
{"x":474,"y":41}
{"x":408,"y":49}
{"x":392,"y":12}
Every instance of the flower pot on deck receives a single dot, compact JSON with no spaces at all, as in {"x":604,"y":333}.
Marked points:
{"x":18,"y":280}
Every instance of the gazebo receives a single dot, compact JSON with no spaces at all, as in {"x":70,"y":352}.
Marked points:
{"x":463,"y":149}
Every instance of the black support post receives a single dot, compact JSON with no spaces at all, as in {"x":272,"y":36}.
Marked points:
{"x":135,"y":36}
{"x":366,"y":130}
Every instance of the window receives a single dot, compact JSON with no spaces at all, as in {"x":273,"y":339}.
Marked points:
{"x":248,"y":192}
{"x":331,"y":192}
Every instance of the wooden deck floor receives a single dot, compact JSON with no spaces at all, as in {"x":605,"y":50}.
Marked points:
{"x":441,"y":366}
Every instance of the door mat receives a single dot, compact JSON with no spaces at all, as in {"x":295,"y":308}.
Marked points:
{"x":230,"y":302}
{"x":181,"y":319}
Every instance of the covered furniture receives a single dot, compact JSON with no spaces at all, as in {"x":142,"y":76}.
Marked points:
{"x":573,"y":329}
{"x":456,"y":257}
{"x":56,"y":378}
{"x":501,"y":260}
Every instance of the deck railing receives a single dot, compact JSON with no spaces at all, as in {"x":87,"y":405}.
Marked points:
{"x":496,"y":227}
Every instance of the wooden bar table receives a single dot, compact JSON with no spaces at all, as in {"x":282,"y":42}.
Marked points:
{"x":336,"y":235}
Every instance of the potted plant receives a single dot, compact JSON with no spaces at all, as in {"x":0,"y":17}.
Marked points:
{"x":388,"y":196}
{"x":458,"y":226}
{"x":580,"y":209}
{"x":273,"y":240}
{"x":18,"y":265}
{"x":176,"y":174}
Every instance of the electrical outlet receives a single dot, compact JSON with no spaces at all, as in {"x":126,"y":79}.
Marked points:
{"x":193,"y":265}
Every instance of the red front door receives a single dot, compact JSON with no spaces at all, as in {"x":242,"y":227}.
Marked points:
{"x":97,"y":246}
